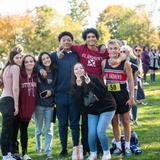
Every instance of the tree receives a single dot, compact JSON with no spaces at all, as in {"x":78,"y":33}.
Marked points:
{"x":36,"y":30}
{"x":12,"y":30}
{"x":126,"y":24}
{"x":79,"y":11}
{"x":45,"y":20}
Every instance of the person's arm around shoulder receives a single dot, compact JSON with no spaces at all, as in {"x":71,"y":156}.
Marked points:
{"x":128,"y":71}
{"x":15,"y":71}
{"x":103,"y":63}
{"x":134,"y":64}
{"x":52,"y":88}
{"x":122,"y":57}
{"x":96,"y":85}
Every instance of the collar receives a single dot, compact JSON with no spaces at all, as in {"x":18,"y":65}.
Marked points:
{"x":68,"y":51}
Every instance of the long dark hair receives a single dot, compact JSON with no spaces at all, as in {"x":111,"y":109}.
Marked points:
{"x":11,"y":57}
{"x":73,"y":78}
{"x":153,"y":50}
{"x":10,"y":60}
{"x":52,"y":67}
{"x":23,"y":61}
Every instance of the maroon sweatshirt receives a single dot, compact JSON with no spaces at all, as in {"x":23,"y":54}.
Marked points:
{"x":27,"y":95}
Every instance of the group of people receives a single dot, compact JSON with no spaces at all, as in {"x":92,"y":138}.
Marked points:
{"x":150,"y":61}
{"x":87,"y":82}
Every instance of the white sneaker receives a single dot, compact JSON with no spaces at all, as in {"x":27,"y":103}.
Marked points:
{"x":106,"y":156}
{"x":77,"y":153}
{"x":93,"y":156}
{"x":117,"y":152}
{"x":8,"y":157}
{"x":26,"y":157}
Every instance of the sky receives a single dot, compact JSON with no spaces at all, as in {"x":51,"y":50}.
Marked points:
{"x":96,"y":7}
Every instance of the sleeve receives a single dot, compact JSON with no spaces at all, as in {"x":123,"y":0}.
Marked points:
{"x":106,"y":54}
{"x":38,"y":67}
{"x":55,"y":74}
{"x":77,"y":48}
{"x":134,"y":65}
{"x":54,"y":57}
{"x":97,"y":87}
{"x":41,"y":85}
{"x":143,"y":58}
{"x":15,"y":71}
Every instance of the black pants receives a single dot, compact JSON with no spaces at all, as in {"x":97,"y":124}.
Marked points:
{"x":7,"y":110}
{"x":23,"y":126}
{"x":84,"y":132}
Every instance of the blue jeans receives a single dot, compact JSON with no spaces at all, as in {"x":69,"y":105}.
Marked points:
{"x":68,"y":115}
{"x":43,"y":113}
{"x":134,"y":112}
{"x":134,"y":108}
{"x":97,"y":125}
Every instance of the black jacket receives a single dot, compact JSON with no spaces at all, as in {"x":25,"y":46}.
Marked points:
{"x":105,"y":103}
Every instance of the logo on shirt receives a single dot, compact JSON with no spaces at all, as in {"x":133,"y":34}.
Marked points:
{"x":91,"y":62}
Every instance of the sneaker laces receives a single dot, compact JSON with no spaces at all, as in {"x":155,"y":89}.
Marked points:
{"x":10,"y":157}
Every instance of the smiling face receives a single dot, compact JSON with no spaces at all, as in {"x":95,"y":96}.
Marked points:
{"x":17,"y":59}
{"x":79,"y":70}
{"x":124,"y":51}
{"x":137,"y":51}
{"x":91,"y":39}
{"x":46,"y":61}
{"x":113,"y":50}
{"x":66,"y":42}
{"x":29,"y":63}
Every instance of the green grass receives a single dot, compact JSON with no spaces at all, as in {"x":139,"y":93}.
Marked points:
{"x":148,"y":131}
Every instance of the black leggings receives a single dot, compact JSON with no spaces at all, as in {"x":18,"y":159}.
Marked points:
{"x":23,"y":126}
{"x":7,"y":110}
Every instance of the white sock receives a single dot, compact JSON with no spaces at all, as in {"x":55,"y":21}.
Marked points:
{"x":127,"y":144}
{"x":118,"y":144}
{"x":93,"y":153}
{"x":106,"y":152}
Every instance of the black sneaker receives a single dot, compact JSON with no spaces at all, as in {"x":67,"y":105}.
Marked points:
{"x":63,"y":153}
{"x":85,"y":152}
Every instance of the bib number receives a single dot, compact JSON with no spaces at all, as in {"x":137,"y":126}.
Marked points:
{"x":114,"y":87}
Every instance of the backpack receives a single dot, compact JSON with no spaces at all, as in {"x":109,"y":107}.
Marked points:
{"x":134,"y":144}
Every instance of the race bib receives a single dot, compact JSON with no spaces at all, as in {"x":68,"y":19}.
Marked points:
{"x":113,"y":87}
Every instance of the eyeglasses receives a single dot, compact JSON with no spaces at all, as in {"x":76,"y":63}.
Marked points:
{"x":138,"y":50}
{"x":122,"y":51}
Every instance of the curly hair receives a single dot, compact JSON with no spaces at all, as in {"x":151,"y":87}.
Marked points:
{"x":90,"y":30}
{"x":65,"y":33}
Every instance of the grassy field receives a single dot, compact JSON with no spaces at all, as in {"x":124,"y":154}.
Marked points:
{"x":148,"y":130}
